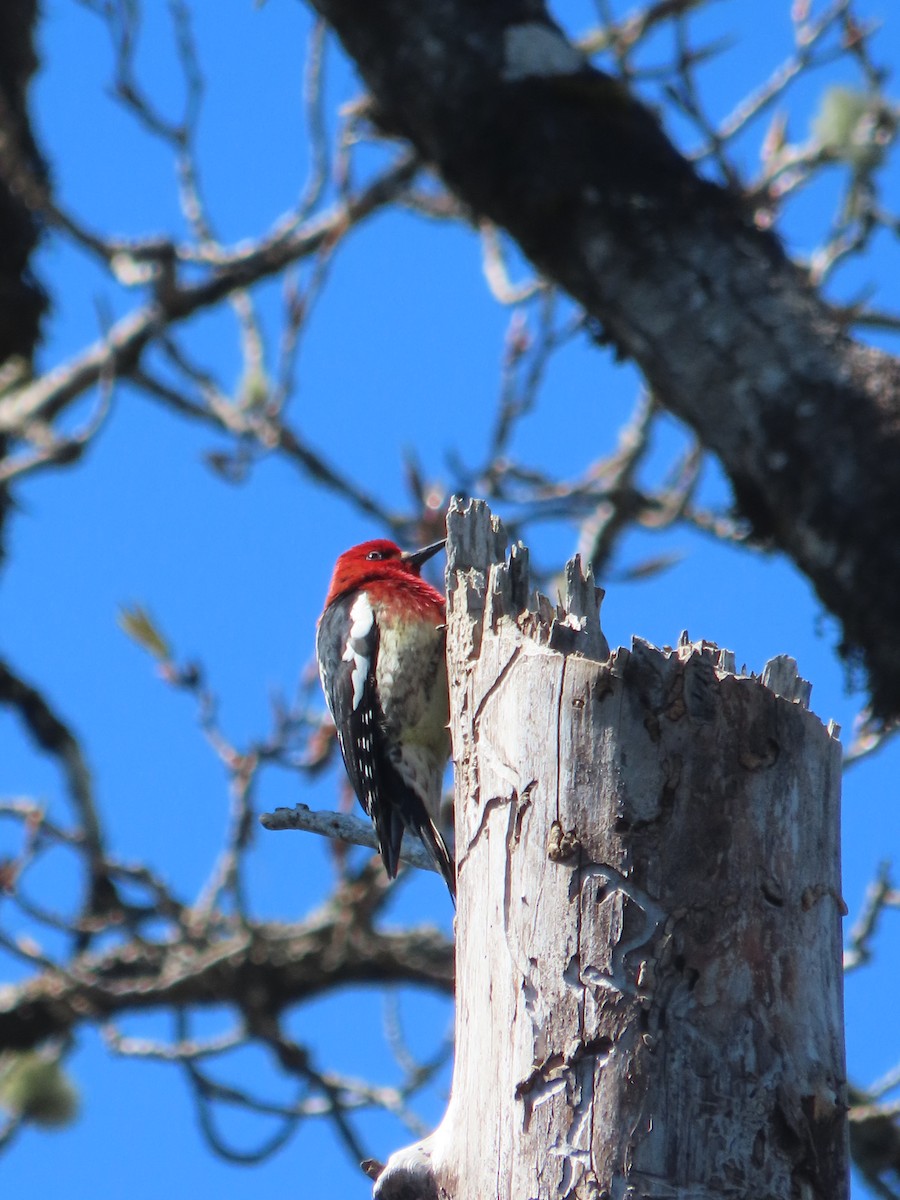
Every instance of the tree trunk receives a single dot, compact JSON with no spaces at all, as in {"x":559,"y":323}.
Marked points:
{"x":649,"y":988}
{"x":727,"y":331}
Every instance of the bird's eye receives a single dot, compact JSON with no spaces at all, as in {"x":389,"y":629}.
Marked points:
{"x":374,"y":556}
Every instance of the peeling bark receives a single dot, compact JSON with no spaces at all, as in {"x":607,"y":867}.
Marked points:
{"x":649,"y":995}
{"x":728,"y":333}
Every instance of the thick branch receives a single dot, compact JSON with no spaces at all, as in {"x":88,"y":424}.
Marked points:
{"x":727,"y":331}
{"x":271,"y":965}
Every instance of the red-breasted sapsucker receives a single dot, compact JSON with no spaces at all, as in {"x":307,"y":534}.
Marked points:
{"x":380,"y":646}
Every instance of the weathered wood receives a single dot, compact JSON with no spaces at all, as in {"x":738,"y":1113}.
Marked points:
{"x":649,"y":990}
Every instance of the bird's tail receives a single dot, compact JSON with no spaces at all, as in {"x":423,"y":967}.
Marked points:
{"x":438,"y":851}
{"x":407,"y":811}
{"x":389,"y":831}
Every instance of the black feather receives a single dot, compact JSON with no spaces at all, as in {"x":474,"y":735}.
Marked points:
{"x":391,"y":804}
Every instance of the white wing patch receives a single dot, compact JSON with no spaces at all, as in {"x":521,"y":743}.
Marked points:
{"x":357,"y":648}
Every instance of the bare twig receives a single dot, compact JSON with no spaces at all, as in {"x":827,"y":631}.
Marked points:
{"x":316,"y":125}
{"x":120,"y":351}
{"x":868,"y":736}
{"x":343,"y":827}
{"x":601,"y":530}
{"x":880,"y":895}
{"x":808,"y":37}
{"x":496,"y":271}
{"x":55,"y":737}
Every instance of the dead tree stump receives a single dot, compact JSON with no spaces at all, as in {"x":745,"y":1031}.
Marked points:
{"x":649,"y":988}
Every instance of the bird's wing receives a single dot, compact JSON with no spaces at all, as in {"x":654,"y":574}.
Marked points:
{"x":348,"y":682}
{"x":349,"y":686}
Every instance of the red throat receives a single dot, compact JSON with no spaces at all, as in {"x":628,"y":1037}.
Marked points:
{"x":408,"y":593}
{"x":392,"y":578}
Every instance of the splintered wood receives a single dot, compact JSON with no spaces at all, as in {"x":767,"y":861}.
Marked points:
{"x":649,"y":989}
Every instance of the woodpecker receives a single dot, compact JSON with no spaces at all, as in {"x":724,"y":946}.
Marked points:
{"x":380,"y":648}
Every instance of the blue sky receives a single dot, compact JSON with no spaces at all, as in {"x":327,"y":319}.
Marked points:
{"x":403,"y":350}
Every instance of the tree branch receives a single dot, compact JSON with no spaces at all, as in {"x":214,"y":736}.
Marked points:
{"x":119,"y":353}
{"x":276,"y":964}
{"x":345,"y":828}
{"x":54,"y":737}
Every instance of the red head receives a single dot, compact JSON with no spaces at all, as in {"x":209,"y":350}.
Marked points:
{"x":383,"y":562}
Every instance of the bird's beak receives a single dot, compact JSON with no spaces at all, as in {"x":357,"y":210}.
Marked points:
{"x":415,"y":558}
